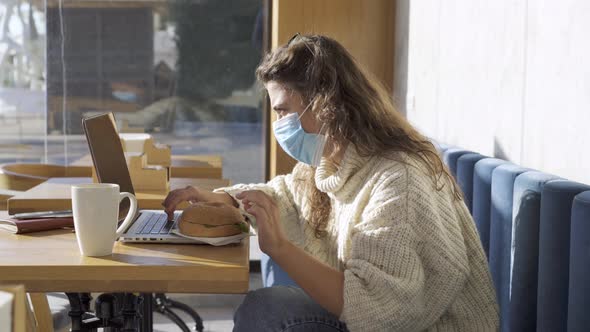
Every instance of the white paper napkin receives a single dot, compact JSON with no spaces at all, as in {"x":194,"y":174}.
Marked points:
{"x":215,"y":241}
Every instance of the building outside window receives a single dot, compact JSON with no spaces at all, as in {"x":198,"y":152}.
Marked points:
{"x":181,"y":70}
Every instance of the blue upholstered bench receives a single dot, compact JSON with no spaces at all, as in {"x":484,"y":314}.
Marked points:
{"x":503,"y":178}
{"x":554,"y":253}
{"x":451,"y":156}
{"x":465,"y":171}
{"x":524,"y":256}
{"x":272,"y":274}
{"x":578,"y":319}
{"x":482,"y":198}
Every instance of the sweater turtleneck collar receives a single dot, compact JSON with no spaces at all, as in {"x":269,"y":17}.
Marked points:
{"x":330,"y":178}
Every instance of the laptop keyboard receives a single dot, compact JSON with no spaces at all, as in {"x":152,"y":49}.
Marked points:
{"x":155,"y":223}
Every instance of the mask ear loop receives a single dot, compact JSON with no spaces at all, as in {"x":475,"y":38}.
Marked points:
{"x":321,"y":131}
{"x":319,"y":152}
{"x":305,"y":110}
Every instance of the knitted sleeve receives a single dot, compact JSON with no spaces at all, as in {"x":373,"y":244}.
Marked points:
{"x":281,"y":190}
{"x":405,"y":268}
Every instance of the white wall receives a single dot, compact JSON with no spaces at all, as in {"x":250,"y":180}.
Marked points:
{"x":506,"y":78}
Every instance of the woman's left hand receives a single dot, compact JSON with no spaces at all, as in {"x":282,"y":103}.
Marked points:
{"x":263,"y":207}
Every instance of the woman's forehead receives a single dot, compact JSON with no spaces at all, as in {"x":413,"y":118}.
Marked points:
{"x":282,"y":93}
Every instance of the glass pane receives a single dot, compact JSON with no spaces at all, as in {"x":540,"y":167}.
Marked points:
{"x":182,"y":71}
{"x":22,"y":82}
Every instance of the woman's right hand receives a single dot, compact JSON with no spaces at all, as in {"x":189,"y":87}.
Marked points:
{"x":193,"y":195}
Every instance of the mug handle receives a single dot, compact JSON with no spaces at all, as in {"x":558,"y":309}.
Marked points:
{"x":130,"y":215}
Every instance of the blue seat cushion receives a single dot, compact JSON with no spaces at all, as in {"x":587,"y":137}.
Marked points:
{"x":465,"y":168}
{"x":503,"y":178}
{"x":554,"y":252}
{"x":482,"y":198}
{"x":526,"y":210}
{"x":578,"y":318}
{"x":273,"y":274}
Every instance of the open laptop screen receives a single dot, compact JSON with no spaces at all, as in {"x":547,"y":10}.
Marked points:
{"x":107,"y":153}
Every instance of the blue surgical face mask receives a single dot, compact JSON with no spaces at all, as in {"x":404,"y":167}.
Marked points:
{"x":306,"y":147}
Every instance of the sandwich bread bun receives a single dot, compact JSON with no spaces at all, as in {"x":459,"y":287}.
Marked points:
{"x":212,"y":219}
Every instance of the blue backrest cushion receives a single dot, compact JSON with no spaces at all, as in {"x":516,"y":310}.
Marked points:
{"x":578,"y":318}
{"x":450,"y":157}
{"x":526,"y":210}
{"x":482,"y":198}
{"x":503,"y":178}
{"x":465,"y":168}
{"x":554,"y":251}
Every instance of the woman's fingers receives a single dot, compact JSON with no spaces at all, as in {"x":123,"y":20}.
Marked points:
{"x":264,"y":208}
{"x":171,"y":201}
{"x":171,"y":197}
{"x":252,"y":195}
{"x":174,"y":198}
{"x":170,"y":207}
{"x":260,"y":213}
{"x":257,"y":197}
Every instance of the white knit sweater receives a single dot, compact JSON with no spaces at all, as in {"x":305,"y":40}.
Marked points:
{"x":411,"y":255}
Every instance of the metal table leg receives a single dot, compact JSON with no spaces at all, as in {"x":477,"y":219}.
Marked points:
{"x":147,"y":323}
{"x":113,"y":312}
{"x":164,"y":305}
{"x":81,"y":321}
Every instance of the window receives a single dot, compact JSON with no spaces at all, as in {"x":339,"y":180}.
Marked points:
{"x":181,"y":70}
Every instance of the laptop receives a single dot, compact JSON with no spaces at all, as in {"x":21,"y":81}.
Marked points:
{"x":109,"y":161}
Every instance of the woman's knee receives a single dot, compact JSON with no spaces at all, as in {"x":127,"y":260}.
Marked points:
{"x":262,"y":307}
{"x":283,"y":308}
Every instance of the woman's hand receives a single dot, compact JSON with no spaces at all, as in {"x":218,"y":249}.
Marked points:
{"x":193,"y":195}
{"x":270,"y":233}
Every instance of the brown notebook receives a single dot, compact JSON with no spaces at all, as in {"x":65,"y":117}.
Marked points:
{"x":20,"y":226}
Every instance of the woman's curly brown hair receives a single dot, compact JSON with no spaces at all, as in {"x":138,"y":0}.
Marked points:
{"x":353,"y":107}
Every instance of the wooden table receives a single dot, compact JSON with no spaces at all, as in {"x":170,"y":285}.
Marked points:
{"x":51,"y":262}
{"x":183,"y":166}
{"x":55,"y":194}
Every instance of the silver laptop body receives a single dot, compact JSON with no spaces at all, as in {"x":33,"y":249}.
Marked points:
{"x":154,"y":226}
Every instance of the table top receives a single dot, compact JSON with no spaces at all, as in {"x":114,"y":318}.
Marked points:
{"x":50,"y":261}
{"x":55,"y":194}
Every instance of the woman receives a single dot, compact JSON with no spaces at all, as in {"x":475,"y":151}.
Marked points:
{"x":370,"y":224}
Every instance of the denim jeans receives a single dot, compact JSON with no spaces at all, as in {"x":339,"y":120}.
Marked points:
{"x":284,"y":309}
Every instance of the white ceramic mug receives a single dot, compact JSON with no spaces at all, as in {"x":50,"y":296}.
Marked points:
{"x":96,"y":210}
